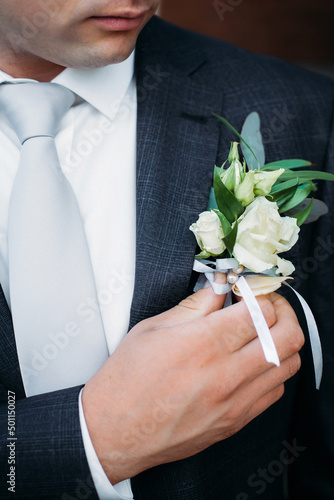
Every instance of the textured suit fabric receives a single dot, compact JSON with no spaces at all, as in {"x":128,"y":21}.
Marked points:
{"x":181,"y":79}
{"x":296,"y":110}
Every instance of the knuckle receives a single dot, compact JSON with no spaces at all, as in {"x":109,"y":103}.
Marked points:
{"x":296,"y":338}
{"x":278,"y":392}
{"x":230,"y":432}
{"x":268,"y":310}
{"x":235,"y":415}
{"x":231,"y":341}
{"x":193,"y":302}
{"x":240,"y":328}
{"x":294,"y":365}
{"x":224,"y":391}
{"x":300,"y":337}
{"x":197,"y":302}
{"x":221,"y":393}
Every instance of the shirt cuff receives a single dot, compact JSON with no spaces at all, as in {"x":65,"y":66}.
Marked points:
{"x":104,"y":488}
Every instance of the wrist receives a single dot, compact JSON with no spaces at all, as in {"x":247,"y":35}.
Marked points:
{"x":115,"y":449}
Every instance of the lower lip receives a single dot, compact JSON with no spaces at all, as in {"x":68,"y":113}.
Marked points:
{"x":119,"y":23}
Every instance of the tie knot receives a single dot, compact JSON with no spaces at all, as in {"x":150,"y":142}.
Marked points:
{"x":34,"y":109}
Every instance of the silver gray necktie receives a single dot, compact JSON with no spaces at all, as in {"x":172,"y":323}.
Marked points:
{"x":58,"y":327}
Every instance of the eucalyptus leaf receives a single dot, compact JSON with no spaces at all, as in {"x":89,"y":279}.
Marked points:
{"x":251,"y":134}
{"x":319,"y":208}
{"x":303,"y":215}
{"x":226,"y":201}
{"x":212,"y":204}
{"x":228,"y":125}
{"x":301,"y":193}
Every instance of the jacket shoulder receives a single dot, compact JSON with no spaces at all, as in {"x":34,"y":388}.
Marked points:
{"x":225,"y":62}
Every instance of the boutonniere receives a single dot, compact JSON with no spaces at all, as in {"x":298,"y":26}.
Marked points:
{"x":255,"y":212}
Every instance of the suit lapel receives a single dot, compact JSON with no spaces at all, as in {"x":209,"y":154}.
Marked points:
{"x":177,"y":141}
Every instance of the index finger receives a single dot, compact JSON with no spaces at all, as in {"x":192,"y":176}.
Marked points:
{"x":286,"y":333}
{"x":234,"y":326}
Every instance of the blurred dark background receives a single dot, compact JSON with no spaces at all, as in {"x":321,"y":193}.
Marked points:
{"x":300,"y":31}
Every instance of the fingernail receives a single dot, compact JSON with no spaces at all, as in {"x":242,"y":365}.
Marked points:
{"x":220,"y":278}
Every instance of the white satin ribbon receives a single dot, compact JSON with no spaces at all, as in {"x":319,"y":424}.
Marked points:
{"x":314,"y":338}
{"x":262,"y":329}
{"x":221,"y":265}
{"x":259,"y":321}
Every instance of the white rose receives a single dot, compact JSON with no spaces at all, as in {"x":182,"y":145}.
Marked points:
{"x":209,"y":233}
{"x":262,"y":234}
{"x":284,"y":267}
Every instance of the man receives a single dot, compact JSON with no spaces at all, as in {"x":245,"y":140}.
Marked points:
{"x":167,"y":407}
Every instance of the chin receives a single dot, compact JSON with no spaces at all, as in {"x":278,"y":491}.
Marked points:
{"x":111,"y":53}
{"x":96,"y":60}
{"x":98,"y":63}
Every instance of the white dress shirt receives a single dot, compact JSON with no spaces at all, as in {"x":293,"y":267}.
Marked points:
{"x":96,"y":144}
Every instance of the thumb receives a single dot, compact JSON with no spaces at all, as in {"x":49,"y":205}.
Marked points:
{"x":197,"y":305}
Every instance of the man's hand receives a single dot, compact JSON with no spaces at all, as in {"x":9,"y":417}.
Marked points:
{"x":185,"y":379}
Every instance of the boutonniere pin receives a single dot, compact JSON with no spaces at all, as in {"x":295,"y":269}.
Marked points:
{"x":255,"y":212}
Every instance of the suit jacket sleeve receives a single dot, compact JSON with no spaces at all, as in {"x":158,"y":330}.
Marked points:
{"x":47,"y":453}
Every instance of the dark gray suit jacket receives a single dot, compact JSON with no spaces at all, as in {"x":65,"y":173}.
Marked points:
{"x":289,"y":450}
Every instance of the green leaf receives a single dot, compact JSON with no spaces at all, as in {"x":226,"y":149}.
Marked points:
{"x":301,"y":193}
{"x":203,"y":255}
{"x":280,"y":186}
{"x":307,"y":174}
{"x":283,"y":196}
{"x":237,"y":134}
{"x":227,"y":203}
{"x":221,"y":170}
{"x":231,"y":237}
{"x":287,"y":164}
{"x":229,"y":232}
{"x":302,"y":216}
{"x":226,"y":226}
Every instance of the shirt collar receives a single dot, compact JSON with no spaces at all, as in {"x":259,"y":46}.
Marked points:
{"x":104,"y":88}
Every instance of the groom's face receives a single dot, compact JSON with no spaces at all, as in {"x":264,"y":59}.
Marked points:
{"x":75,"y":33}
